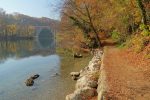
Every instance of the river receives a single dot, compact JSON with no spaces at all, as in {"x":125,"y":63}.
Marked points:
{"x":21,"y":59}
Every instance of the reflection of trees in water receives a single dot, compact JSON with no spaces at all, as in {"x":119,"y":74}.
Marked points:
{"x":46,"y":43}
{"x":43,"y":45}
{"x":24,"y":48}
{"x":45,"y":39}
{"x":15,"y":48}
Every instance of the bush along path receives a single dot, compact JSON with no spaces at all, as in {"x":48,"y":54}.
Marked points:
{"x":87,"y":80}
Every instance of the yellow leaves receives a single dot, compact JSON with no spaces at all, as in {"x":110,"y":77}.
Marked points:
{"x":88,"y":2}
{"x":11,"y":29}
{"x":137,"y":42}
{"x":137,"y":16}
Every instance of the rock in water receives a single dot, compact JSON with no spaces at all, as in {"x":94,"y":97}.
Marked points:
{"x":29,"y":82}
{"x":75,"y":74}
{"x":75,"y":78}
{"x":54,"y":75}
{"x":77,"y":55}
{"x":35,"y":76}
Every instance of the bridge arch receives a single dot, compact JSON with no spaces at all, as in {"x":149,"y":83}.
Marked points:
{"x":46,"y":33}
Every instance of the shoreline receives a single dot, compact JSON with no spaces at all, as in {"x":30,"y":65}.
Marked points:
{"x":87,"y":79}
{"x":108,"y":75}
{"x":15,"y":38}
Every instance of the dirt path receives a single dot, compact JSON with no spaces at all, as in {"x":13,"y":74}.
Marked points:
{"x":125,"y":81}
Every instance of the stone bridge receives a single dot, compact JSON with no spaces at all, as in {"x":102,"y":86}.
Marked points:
{"x":39,"y":29}
{"x":47,"y":36}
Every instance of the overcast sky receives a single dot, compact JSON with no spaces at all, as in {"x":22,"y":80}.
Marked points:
{"x":35,"y":8}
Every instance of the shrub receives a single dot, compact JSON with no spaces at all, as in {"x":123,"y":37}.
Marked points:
{"x":145,"y":30}
{"x":145,"y":33}
{"x":115,"y":35}
{"x":137,"y":42}
{"x":118,"y":37}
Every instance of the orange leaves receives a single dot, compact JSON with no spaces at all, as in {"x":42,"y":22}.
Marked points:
{"x":94,"y":16}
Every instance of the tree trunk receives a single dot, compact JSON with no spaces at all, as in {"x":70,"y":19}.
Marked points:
{"x":92,"y":26}
{"x":143,"y":11}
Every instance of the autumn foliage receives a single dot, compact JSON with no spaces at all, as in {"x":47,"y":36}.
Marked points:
{"x":91,"y":21}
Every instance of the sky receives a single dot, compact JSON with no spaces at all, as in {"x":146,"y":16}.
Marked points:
{"x":34,"y":8}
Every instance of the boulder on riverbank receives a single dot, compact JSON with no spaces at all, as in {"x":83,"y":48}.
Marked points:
{"x":75,"y":78}
{"x":75,"y":75}
{"x":87,"y":80}
{"x":85,"y":93}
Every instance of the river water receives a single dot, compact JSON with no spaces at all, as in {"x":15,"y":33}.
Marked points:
{"x":21,"y":59}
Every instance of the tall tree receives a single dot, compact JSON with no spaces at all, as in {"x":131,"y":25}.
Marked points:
{"x":83,"y":14}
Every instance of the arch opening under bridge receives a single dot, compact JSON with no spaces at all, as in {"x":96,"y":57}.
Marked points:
{"x":45,"y":33}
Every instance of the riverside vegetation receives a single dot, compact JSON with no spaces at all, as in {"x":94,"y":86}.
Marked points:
{"x":90,"y":24}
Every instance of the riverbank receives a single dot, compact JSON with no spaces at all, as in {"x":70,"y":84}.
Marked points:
{"x":111,"y":74}
{"x":69,"y":64}
{"x":87,"y":83}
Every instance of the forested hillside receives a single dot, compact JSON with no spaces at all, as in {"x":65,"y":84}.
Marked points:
{"x":19,"y":25}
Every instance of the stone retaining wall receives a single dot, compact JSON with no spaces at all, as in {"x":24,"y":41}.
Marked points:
{"x":102,"y":85}
{"x":89,"y":82}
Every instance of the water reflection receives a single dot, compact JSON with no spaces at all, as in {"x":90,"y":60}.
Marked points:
{"x":21,"y":59}
{"x":26,"y":48}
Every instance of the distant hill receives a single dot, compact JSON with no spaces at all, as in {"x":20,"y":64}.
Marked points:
{"x":27,"y":20}
{"x":21,"y":19}
{"x":20,"y":26}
